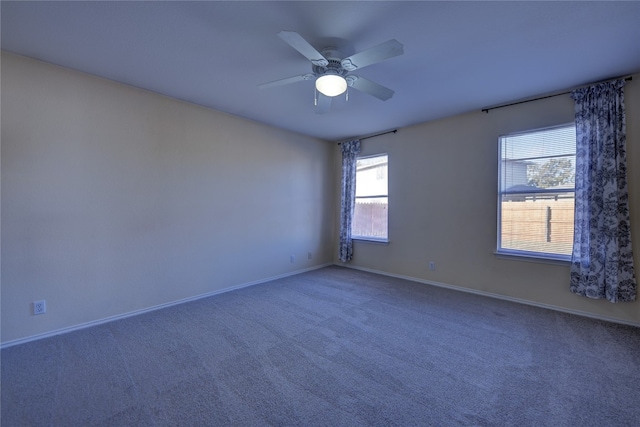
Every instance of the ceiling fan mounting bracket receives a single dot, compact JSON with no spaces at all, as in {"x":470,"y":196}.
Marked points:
{"x":331,"y":52}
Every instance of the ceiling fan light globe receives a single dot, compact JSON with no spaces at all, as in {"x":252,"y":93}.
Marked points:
{"x":331,"y":85}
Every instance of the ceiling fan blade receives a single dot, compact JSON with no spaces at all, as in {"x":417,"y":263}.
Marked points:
{"x":296,"y":41}
{"x":323,"y":103}
{"x":367,"y":86}
{"x":378,"y":53}
{"x":286,"y":81}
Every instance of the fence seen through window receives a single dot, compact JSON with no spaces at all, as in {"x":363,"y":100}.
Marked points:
{"x":370,"y":218}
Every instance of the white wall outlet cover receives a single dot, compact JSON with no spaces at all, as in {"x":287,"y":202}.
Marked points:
{"x":39,"y":307}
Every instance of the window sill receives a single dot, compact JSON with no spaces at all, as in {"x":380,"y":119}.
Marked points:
{"x":371,"y":240}
{"x":532,"y":258}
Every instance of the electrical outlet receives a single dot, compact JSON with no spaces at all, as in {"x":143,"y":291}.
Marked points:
{"x":39,"y":307}
{"x":309,"y":256}
{"x":293,"y":259}
{"x":432,"y":265}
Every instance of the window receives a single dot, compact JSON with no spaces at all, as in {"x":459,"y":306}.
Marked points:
{"x":536,"y":193}
{"x":370,"y":214}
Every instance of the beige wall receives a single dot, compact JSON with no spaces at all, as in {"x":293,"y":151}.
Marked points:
{"x":442,"y":206}
{"x":115,"y":199}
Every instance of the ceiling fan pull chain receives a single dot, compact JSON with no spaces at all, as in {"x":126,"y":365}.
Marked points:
{"x":347,"y":95}
{"x":315,"y":97}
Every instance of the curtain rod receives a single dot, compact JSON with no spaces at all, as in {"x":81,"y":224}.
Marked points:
{"x":373,"y":136}
{"x":486,"y":110}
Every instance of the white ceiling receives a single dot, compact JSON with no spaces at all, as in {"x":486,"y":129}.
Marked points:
{"x":459,"y":56}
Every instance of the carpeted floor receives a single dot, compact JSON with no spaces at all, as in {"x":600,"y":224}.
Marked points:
{"x":332,"y":347}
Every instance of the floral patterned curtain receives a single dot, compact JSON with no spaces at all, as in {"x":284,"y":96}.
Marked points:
{"x":350,"y":151}
{"x":602,"y":262}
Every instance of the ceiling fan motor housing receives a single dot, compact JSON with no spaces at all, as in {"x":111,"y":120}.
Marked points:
{"x":333,"y":67}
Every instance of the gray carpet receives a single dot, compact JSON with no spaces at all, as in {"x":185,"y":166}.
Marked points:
{"x":332,"y":347}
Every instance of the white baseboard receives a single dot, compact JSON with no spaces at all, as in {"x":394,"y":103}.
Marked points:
{"x":492,"y":295}
{"x":155,"y":307}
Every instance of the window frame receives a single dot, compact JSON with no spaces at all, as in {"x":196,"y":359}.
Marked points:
{"x":535,"y":256}
{"x":370,"y":239}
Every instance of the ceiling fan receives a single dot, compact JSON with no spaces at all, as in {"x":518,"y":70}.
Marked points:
{"x":331,"y":71}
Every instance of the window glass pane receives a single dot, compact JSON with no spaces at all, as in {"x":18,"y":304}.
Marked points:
{"x":371,"y":176}
{"x":542,"y":159}
{"x":542,"y":224}
{"x":370,"y":218}
{"x":537,"y":183}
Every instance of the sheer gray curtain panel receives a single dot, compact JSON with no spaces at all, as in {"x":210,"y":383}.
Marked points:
{"x":350,"y":151}
{"x":602,"y":260}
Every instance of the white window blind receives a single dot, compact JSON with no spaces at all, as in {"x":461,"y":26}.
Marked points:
{"x":536,"y":192}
